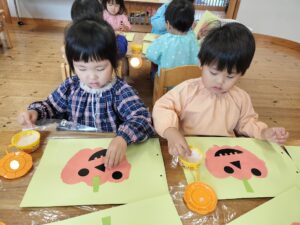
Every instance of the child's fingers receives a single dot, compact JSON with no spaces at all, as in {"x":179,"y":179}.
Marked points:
{"x":110,"y":159}
{"x":181,"y":150}
{"x":117,"y":159}
{"x":173,"y":151}
{"x":26,"y":120}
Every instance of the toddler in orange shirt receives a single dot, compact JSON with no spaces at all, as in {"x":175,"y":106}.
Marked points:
{"x":212,"y":104}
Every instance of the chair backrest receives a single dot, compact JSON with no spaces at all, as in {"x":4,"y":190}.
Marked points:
{"x":171,"y":77}
{"x":65,"y":71}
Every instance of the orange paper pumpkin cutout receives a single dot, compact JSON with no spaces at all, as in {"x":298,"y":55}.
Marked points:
{"x":15,"y":164}
{"x":200,"y":198}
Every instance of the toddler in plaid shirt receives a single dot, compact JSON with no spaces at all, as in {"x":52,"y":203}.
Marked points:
{"x":95,"y":96}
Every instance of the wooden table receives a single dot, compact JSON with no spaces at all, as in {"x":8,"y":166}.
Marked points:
{"x":12,"y":191}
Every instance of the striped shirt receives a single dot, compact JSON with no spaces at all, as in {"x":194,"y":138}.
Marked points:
{"x":113,"y":108}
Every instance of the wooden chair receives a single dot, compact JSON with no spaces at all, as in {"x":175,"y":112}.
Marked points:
{"x":4,"y":38}
{"x":65,"y":71}
{"x":171,"y":77}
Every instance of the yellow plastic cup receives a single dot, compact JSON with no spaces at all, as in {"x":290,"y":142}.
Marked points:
{"x":136,"y":48}
{"x":27,"y":141}
{"x":193,"y":161}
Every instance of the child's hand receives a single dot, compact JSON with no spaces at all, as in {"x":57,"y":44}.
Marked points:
{"x":177,"y":144}
{"x":28,"y":119}
{"x":275,"y":134}
{"x":123,"y":27}
{"x":115,"y":152}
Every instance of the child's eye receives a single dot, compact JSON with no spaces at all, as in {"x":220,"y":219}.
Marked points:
{"x":100,"y":69}
{"x":230,"y":77}
{"x":213,"y":73}
{"x":82,"y":70}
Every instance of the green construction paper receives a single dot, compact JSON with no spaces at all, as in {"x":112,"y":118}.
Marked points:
{"x":153,"y":211}
{"x":283,"y":209}
{"x":106,"y":220}
{"x":294,"y":152}
{"x":150,"y":37}
{"x":282,"y":174}
{"x":96,"y":183}
{"x":206,"y":18}
{"x":147,"y":176}
{"x":129,"y":36}
{"x":145,"y":47}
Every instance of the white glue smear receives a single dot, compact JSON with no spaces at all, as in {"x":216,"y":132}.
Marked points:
{"x":28,"y":139}
{"x":194,"y":157}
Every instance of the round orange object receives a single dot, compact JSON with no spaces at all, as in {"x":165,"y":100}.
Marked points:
{"x":200,"y":198}
{"x":15,"y":164}
{"x":1,"y":223}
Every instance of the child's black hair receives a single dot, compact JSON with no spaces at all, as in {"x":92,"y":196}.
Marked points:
{"x":122,"y":9}
{"x":231,"y":46}
{"x":88,"y":40}
{"x":180,"y":14}
{"x":86,"y":9}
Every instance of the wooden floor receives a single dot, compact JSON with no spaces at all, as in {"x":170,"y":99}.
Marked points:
{"x":31,"y":70}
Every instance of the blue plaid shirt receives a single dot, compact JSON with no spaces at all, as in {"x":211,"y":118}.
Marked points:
{"x":113,"y":108}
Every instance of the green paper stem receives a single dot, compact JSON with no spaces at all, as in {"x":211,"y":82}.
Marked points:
{"x":96,"y":183}
{"x":106,"y":220}
{"x":248,"y":186}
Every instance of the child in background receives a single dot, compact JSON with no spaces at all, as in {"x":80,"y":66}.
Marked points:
{"x":93,"y":9}
{"x":95,"y":96}
{"x":158,"y":21}
{"x":86,"y":9}
{"x":115,"y":15}
{"x":179,"y":46}
{"x":213,"y":105}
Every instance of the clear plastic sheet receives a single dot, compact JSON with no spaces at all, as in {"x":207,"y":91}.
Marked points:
{"x":61,"y":125}
{"x":223,"y":214}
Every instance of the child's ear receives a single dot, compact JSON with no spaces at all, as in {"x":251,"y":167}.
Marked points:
{"x":167,"y":25}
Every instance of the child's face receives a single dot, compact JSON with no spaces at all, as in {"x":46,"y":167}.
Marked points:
{"x":95,"y":74}
{"x":218,"y":82}
{"x":112,"y":7}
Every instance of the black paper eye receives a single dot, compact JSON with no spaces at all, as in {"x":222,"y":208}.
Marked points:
{"x":83,"y":172}
{"x":228,"y":169}
{"x":255,"y":172}
{"x":117,"y":175}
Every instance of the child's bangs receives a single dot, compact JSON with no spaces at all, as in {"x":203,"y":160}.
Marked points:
{"x":221,"y":60}
{"x":224,"y":57}
{"x":89,"y":53}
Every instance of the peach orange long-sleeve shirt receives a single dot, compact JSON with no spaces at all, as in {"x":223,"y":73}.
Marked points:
{"x":194,"y":110}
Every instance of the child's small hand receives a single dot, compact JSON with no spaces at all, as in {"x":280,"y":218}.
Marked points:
{"x":275,"y":134}
{"x":28,"y":119}
{"x":123,"y":27}
{"x":115,"y":152}
{"x":177,"y":144}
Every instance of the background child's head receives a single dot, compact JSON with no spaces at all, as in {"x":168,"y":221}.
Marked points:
{"x":230,"y":47}
{"x":114,"y":7}
{"x":180,"y":14}
{"x":89,"y":40}
{"x":86,"y":9}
